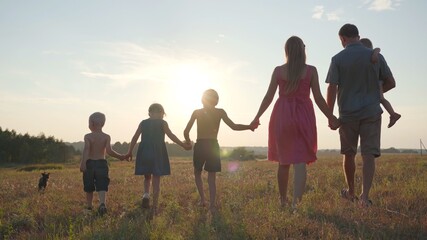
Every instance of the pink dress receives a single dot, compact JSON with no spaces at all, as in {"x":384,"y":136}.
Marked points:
{"x":292,"y":135}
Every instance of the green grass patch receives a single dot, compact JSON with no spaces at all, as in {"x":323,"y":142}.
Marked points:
{"x":40,"y":167}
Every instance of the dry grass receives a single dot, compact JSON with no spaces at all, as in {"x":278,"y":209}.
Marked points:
{"x":247,"y":198}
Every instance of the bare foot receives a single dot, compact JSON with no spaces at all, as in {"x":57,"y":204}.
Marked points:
{"x":283,"y":202}
{"x":393,"y":119}
{"x":212,"y":208}
{"x":202,"y":204}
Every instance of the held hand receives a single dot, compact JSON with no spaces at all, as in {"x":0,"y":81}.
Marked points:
{"x":123,"y":157}
{"x":254,"y":124}
{"x":334,"y":123}
{"x":187,"y":145}
{"x":82,"y":167}
{"x":128,"y":157}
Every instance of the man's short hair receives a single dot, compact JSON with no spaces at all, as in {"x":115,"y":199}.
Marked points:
{"x":348,"y":30}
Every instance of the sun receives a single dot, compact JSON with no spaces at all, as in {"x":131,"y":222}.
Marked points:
{"x":190,"y":80}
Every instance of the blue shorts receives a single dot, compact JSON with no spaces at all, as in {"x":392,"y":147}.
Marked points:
{"x":95,"y":178}
{"x":206,"y":153}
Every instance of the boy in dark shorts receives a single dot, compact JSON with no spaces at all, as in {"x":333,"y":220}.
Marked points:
{"x":206,"y":148}
{"x":93,"y":163}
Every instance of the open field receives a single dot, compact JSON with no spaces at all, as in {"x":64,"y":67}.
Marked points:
{"x":247,"y":198}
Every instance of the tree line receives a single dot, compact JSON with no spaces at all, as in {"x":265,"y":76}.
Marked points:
{"x":18,"y":148}
{"x":23,"y":148}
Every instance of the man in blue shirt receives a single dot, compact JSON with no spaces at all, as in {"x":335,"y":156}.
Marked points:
{"x":354,"y":82}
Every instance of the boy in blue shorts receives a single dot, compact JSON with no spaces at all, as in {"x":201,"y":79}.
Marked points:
{"x":93,"y":163}
{"x":206,"y":149}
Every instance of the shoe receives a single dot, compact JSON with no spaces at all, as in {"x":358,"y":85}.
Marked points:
{"x":346,"y":195}
{"x":145,"y":202}
{"x":102,"y":209}
{"x":393,"y":119}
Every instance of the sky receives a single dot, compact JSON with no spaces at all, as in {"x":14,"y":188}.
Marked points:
{"x":60,"y":61}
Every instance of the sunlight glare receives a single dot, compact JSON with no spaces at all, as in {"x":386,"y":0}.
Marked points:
{"x":190,"y":81}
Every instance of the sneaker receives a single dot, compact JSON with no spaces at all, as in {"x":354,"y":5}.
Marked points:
{"x":102,"y":209}
{"x":145,"y":202}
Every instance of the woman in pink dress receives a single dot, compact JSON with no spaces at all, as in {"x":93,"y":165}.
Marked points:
{"x":292,"y":137}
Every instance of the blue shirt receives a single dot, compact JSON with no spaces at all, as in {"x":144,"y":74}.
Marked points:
{"x":358,"y":82}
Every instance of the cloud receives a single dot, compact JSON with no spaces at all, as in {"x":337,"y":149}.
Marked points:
{"x":333,"y":16}
{"x":319,"y":13}
{"x":382,"y":5}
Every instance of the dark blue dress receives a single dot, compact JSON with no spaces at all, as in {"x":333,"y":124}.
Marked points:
{"x":152,"y":156}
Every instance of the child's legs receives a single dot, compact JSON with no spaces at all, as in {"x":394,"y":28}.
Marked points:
{"x":89,"y":198}
{"x":156,"y":190}
{"x":102,"y":197}
{"x":102,"y":179}
{"x":394,"y":116}
{"x":212,"y":188}
{"x":199,"y":184}
{"x":387,"y":106}
{"x":300,"y":176}
{"x":147,"y":181}
{"x":282,"y":180}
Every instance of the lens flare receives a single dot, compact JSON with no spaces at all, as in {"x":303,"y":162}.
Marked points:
{"x":233,"y":166}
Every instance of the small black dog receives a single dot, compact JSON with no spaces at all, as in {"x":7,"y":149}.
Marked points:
{"x":43,"y":181}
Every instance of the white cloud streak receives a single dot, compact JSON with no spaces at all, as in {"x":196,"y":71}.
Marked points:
{"x":382,"y":5}
{"x":319,"y":13}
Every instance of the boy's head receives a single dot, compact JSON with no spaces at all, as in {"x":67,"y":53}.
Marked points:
{"x":210,"y":98}
{"x":96,"y":120}
{"x":367,"y":43}
{"x":156,"y":109}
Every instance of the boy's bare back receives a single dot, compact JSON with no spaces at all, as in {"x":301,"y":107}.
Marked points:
{"x":96,"y":144}
{"x":208,"y":121}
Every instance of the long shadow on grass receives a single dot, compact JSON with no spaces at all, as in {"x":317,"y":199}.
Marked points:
{"x":359,"y":229}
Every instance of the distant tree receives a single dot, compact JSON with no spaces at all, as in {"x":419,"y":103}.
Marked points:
{"x":19,"y":148}
{"x":390,"y":150}
{"x":241,"y":154}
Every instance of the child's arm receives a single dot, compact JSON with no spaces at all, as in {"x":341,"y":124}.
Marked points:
{"x":232,"y":125}
{"x":111,"y":151}
{"x":375,"y":53}
{"x":172,"y":136}
{"x":133,"y":142}
{"x":85,"y":154}
{"x":189,"y":126}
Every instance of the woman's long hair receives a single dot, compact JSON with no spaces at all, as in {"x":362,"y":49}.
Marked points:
{"x":295,"y":59}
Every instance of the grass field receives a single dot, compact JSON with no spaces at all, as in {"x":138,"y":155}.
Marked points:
{"x":247,"y":199}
